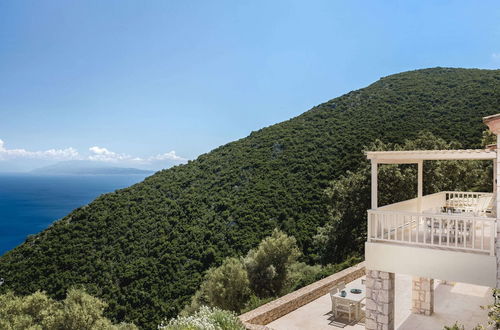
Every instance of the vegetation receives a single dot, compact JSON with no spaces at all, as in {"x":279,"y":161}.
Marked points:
{"x":37,"y":311}
{"x":226,"y":286}
{"x":145,"y":249}
{"x":493,"y":315}
{"x":205,"y":319}
{"x":267,"y":272}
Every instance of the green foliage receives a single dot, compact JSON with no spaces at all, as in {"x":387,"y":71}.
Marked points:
{"x":255,"y":302}
{"x":456,"y":326}
{"x":145,"y":249}
{"x":268,"y":264}
{"x":227,"y":286}
{"x":493,"y":315}
{"x":205,"y":318}
{"x":37,"y":311}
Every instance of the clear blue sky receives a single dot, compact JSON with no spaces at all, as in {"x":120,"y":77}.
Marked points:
{"x":143,"y":78}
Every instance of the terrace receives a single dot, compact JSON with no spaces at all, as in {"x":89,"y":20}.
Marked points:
{"x":454,"y":301}
{"x":460,"y":221}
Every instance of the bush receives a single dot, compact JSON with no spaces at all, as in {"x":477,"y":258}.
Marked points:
{"x":205,"y":319}
{"x":227,"y":286}
{"x":37,"y":311}
{"x":268,"y":265}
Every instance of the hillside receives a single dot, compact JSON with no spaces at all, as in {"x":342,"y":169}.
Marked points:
{"x":144,"y":249}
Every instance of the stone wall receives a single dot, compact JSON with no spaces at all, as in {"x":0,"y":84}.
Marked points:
{"x":379,"y":300}
{"x":290,"y":302}
{"x":422,"y":296}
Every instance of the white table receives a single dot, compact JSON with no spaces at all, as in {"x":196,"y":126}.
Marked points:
{"x":353,"y":298}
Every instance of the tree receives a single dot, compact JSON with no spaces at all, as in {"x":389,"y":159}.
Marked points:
{"x":37,"y":311}
{"x":268,"y":264}
{"x":227,"y":286}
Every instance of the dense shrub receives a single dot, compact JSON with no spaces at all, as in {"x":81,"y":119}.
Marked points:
{"x":268,"y":264}
{"x":205,"y":319}
{"x":37,"y":311}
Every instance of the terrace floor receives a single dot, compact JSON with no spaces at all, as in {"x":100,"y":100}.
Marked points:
{"x":452,"y":302}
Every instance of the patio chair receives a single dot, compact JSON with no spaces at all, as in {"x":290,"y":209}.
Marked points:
{"x":341,"y":286}
{"x":332,"y":297}
{"x":343,"y":306}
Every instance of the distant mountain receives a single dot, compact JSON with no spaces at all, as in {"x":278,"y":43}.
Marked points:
{"x":145,"y":249}
{"x":81,"y":167}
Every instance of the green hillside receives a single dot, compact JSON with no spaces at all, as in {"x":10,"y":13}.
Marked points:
{"x":144,"y":249}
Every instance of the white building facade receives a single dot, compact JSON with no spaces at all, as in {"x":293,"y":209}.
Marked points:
{"x":450,"y":235}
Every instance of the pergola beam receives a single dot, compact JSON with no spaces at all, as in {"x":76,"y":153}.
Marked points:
{"x":412,"y":157}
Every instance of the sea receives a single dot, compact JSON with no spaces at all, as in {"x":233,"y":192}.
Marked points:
{"x":30,"y":203}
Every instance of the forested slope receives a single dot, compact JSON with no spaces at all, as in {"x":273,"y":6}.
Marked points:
{"x":144,"y":249}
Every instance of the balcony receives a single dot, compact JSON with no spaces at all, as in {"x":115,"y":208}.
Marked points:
{"x":455,"y":221}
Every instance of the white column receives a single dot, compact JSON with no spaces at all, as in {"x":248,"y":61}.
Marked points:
{"x":374,"y":185}
{"x":420,"y":189}
{"x":494,"y":211}
{"x":497,"y":204}
{"x":496,"y":173}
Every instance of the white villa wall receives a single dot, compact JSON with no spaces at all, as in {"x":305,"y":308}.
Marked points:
{"x":453,"y":266}
{"x":411,"y":205}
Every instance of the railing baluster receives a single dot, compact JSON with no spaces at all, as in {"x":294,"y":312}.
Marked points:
{"x":447,"y":232}
{"x":492,"y":238}
{"x":432,"y":230}
{"x":440,"y":230}
{"x":417,"y":233}
{"x":413,"y":228}
{"x":482,"y":235}
{"x":473,"y":232}
{"x":464,"y":232}
{"x":425,"y":228}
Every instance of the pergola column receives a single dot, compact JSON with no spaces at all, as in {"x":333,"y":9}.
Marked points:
{"x":497,"y":206}
{"x":493,"y":123}
{"x":420,"y":187}
{"x":374,"y":184}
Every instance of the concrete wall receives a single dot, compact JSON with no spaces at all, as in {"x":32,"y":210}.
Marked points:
{"x":454,"y":266}
{"x":259,"y":317}
{"x":429,"y":202}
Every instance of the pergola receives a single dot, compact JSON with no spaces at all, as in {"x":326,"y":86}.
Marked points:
{"x":418,"y":157}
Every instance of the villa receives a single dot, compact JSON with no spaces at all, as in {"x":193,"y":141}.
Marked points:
{"x":429,"y":261}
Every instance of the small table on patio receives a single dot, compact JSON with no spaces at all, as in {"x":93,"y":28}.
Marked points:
{"x":353,"y":298}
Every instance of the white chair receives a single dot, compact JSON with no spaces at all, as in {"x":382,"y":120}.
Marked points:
{"x":343,"y":306}
{"x":332,"y":297}
{"x":341,"y":286}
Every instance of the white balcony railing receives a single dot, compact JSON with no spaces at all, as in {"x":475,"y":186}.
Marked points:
{"x":452,"y":220}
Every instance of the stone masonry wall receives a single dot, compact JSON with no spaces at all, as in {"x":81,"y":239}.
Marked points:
{"x":379,"y":300}
{"x":257,"y":318}
{"x":422,"y":296}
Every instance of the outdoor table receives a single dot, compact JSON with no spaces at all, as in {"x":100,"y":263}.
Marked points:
{"x":353,"y":298}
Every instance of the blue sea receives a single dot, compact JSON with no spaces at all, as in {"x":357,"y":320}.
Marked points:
{"x":30,"y":203}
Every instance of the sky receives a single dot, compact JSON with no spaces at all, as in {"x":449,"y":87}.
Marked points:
{"x":150,"y":84}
